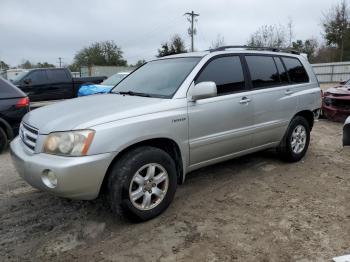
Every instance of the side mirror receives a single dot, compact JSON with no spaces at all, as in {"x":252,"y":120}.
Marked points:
{"x":203,"y":90}
{"x":27,"y":81}
{"x":342,"y":82}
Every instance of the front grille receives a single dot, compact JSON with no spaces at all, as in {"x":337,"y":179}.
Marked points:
{"x":339,"y":103}
{"x":28,"y":135}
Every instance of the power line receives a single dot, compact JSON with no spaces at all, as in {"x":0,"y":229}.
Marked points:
{"x":191,"y":30}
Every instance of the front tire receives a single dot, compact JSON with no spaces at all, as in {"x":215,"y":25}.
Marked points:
{"x":296,"y":141}
{"x":3,"y":140}
{"x":142,"y":183}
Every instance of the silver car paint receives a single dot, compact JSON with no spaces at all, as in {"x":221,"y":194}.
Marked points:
{"x":206,"y":131}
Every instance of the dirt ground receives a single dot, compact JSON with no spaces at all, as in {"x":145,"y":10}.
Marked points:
{"x":255,"y":208}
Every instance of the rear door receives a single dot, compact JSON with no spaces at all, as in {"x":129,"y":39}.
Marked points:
{"x":274,"y":102}
{"x":60,"y":84}
{"x":221,"y":126}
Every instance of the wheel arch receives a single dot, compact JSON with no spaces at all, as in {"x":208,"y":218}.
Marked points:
{"x":308,"y":115}
{"x":166,"y":144}
{"x":7,"y":128}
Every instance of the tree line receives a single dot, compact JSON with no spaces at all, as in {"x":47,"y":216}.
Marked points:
{"x":335,"y":46}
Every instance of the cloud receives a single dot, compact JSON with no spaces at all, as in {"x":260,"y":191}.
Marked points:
{"x":41,"y":30}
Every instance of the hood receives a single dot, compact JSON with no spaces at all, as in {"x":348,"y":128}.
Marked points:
{"x":339,"y":90}
{"x":88,"y":111}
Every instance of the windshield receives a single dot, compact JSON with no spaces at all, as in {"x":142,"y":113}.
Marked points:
{"x":19,"y":76}
{"x":114,"y":79}
{"x":160,"y":78}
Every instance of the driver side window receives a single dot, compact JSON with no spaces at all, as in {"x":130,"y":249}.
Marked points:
{"x":226,"y":72}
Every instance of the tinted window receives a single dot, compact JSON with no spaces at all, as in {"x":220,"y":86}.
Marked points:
{"x":8,"y":90}
{"x":160,"y":78}
{"x":226,"y":72}
{"x":57,"y":75}
{"x":263,"y":71}
{"x":38,"y":77}
{"x":281,"y":70}
{"x":296,"y":71}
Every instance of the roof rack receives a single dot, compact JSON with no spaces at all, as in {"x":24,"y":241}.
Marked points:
{"x":258,"y":48}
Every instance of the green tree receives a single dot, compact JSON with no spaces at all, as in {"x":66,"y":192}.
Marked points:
{"x":44,"y":65}
{"x":26,"y":64}
{"x":336,"y":26}
{"x":268,"y":36}
{"x":105,"y":53}
{"x":176,"y":45}
{"x":308,"y":47}
{"x":140,"y":62}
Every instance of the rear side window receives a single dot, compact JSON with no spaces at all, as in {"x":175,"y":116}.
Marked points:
{"x":226,"y":72}
{"x":281,"y":70}
{"x":263,"y":71}
{"x":57,"y":75}
{"x":38,"y":77}
{"x":296,"y":71}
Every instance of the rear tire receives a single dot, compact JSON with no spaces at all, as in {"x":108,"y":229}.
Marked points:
{"x":296,"y":140}
{"x":3,"y":140}
{"x":142,"y":183}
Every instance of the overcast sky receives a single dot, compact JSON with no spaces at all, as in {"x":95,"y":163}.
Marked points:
{"x":43,"y":30}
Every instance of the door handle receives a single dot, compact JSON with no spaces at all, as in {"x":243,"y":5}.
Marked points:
{"x":245,"y":100}
{"x":288,"y":92}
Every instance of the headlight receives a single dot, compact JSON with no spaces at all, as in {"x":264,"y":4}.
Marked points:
{"x":72,"y":143}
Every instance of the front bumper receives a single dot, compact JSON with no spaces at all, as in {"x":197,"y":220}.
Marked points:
{"x":335,"y":113}
{"x":77,"y":177}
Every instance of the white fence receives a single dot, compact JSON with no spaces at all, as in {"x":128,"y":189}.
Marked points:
{"x":332,"y":72}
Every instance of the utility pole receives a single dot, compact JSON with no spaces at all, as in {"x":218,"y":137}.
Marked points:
{"x":60,"y":61}
{"x":192,"y":31}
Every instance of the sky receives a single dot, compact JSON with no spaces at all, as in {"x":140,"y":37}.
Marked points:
{"x":43,"y":30}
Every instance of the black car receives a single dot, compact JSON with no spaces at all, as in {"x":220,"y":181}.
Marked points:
{"x":44,"y":84}
{"x":14,"y":104}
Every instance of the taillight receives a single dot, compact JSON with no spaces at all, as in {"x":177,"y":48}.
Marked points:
{"x":22,"y":102}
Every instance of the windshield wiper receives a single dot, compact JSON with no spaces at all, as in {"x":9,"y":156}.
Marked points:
{"x":132,"y":93}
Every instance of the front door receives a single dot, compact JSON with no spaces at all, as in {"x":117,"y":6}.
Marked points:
{"x":221,"y":126}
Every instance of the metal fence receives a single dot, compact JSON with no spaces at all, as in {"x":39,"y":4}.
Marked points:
{"x":332,"y":72}
{"x":103,"y":70}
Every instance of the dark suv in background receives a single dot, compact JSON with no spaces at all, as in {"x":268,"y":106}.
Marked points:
{"x":45,"y":84}
{"x":14,"y":104}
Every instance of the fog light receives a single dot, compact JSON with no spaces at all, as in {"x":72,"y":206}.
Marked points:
{"x":49,"y":178}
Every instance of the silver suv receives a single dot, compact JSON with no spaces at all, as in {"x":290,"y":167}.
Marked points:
{"x":169,"y":117}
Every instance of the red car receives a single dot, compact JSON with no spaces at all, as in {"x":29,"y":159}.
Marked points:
{"x":336,"y":102}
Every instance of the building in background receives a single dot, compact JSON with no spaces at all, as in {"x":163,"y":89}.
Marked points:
{"x":12,"y":73}
{"x":86,"y":71}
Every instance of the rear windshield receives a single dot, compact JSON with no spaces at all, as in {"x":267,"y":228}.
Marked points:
{"x":8,"y":90}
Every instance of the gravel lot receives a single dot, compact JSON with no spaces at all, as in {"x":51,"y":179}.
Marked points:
{"x":254,"y":208}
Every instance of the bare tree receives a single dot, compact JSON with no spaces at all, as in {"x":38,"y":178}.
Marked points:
{"x":219,"y":41}
{"x":290,"y":31}
{"x":268,"y":36}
